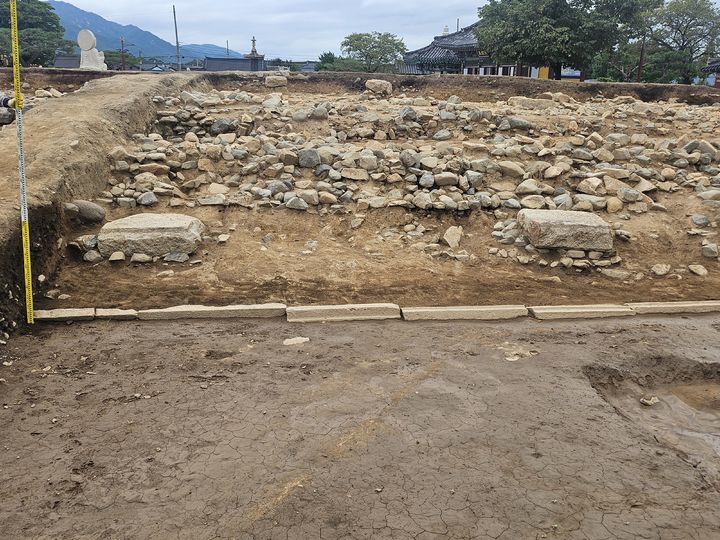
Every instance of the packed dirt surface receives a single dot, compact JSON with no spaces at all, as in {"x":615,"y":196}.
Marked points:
{"x":356,"y":196}
{"x":375,"y":430}
{"x":268,"y":259}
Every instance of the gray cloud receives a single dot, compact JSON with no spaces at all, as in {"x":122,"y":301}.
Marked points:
{"x":295,"y":29}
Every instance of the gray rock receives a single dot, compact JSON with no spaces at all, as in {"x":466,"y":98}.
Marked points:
{"x":582,"y":154}
{"x":629,"y":195}
{"x":510,"y":168}
{"x":141,"y":258}
{"x":554,"y":229}
{"x":453,"y":236}
{"x":310,"y":196}
{"x":422,"y":200}
{"x":147,"y":199}
{"x":177,"y":257}
{"x":710,"y":195}
{"x":409,"y":114}
{"x":7,"y":116}
{"x":710,"y":251}
{"x":563,"y":201}
{"x":698,"y":270}
{"x":296,"y":203}
{"x":533,"y":201}
{"x":427,"y":180}
{"x":279,"y":186}
{"x":273,"y":101}
{"x":86,"y":242}
{"x":309,"y":158}
{"x":446,"y":179}
{"x":152,"y":234}
{"x":92,"y":256}
{"x":89,"y":212}
{"x":514,"y":122}
{"x":224,"y":125}
{"x":700,"y":220}
{"x":377,"y":86}
{"x":126,"y":202}
{"x":212,"y":200}
{"x":319,"y":113}
{"x":443,"y":135}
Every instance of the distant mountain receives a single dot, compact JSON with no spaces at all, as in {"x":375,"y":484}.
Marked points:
{"x":137,"y":40}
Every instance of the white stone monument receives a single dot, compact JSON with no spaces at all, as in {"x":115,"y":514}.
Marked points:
{"x":90,"y":57}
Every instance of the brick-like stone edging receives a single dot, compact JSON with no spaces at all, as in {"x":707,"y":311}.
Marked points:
{"x":366,"y":312}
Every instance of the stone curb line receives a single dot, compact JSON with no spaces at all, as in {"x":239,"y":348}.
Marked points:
{"x":376,"y":312}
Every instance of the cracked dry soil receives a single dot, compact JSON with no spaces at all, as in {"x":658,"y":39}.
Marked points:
{"x":214,"y":429}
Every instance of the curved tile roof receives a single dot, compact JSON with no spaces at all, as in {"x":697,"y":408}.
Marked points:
{"x":712,"y":67}
{"x":464,"y":39}
{"x":433,"y":55}
{"x":443,"y":49}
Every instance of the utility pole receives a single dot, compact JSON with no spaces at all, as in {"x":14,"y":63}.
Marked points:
{"x":177,"y":42}
{"x":227,"y":47}
{"x":641,"y":66}
{"x":122,"y":53}
{"x":458,"y":25}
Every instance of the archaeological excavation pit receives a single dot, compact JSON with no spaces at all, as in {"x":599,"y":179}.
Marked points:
{"x":675,"y":399}
{"x":327,"y":190}
{"x":151,"y":192}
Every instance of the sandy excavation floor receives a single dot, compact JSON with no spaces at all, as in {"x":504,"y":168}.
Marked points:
{"x":378,"y":430}
{"x":369,"y":226}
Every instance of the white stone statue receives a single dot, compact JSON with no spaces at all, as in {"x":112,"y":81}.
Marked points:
{"x":90,"y":57}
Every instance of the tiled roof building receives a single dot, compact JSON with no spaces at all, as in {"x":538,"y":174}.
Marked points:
{"x":457,"y":52}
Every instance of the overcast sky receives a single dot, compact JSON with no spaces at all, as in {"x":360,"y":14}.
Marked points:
{"x":293,"y":29}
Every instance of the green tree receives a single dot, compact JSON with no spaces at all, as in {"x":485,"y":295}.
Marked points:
{"x":113,"y":59}
{"x":40,"y":32}
{"x":279,"y":62}
{"x":374,"y":50}
{"x":618,"y":65}
{"x":329,"y":61}
{"x":686,"y":33}
{"x":346,"y":64}
{"x":325,"y":60}
{"x":556,"y":33}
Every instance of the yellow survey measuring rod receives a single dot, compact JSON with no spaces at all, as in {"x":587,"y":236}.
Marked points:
{"x":21,"y":163}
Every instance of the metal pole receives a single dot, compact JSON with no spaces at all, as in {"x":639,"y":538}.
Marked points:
{"x":122,"y":53}
{"x":177,"y":41}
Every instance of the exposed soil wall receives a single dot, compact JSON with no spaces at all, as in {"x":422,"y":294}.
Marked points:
{"x":65,"y":80}
{"x":473,"y":88}
{"x":100,"y":116}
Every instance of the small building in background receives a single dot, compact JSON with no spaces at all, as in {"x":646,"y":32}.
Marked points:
{"x":309,"y":66}
{"x":712,"y":70}
{"x":253,"y":61}
{"x":457,"y":52}
{"x":155,"y":67}
{"x":66,"y":61}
